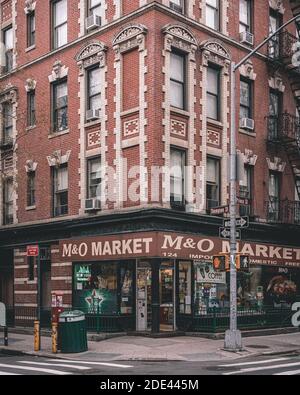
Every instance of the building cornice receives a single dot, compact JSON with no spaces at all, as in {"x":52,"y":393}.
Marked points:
{"x":154,"y":6}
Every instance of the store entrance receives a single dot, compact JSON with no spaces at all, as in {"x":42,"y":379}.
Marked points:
{"x":144,"y":296}
{"x":166,"y":292}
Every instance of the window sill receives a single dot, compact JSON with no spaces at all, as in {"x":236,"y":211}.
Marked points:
{"x":247,"y":132}
{"x":29,"y":128}
{"x":31,"y":48}
{"x":180,"y":111}
{"x":30,"y":208}
{"x":57,"y":134}
{"x":92,"y":123}
{"x":214,"y":122}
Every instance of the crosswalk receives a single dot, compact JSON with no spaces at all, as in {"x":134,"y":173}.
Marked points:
{"x":57,"y":367}
{"x":274,"y":366}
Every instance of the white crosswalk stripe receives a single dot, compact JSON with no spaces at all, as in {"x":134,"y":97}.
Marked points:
{"x":8,"y":374}
{"x":56,"y":365}
{"x":265,"y":365}
{"x":109,"y":364}
{"x":34,"y":369}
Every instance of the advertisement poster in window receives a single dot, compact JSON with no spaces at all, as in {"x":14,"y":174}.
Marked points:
{"x":96,"y":288}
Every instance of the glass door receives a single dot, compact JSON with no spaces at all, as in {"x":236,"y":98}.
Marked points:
{"x":166,"y":291}
{"x":144,"y":296}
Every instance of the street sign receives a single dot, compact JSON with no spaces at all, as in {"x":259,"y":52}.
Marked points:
{"x":219,"y":210}
{"x":2,"y":315}
{"x":243,"y":201}
{"x":224,"y":233}
{"x":32,"y":250}
{"x":242,"y":222}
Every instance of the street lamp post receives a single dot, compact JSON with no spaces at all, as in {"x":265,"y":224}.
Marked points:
{"x":233,"y":337}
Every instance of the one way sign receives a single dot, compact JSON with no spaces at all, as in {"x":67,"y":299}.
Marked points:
{"x":242,"y":222}
{"x":225,"y":233}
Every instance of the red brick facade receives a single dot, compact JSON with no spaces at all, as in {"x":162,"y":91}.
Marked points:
{"x":137,"y":122}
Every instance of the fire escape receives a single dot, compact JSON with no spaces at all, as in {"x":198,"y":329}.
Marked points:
{"x":284,"y":128}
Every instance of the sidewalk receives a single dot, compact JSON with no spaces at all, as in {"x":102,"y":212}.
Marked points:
{"x":183,"y":348}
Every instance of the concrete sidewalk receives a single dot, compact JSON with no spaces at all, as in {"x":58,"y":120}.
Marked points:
{"x":183,"y":348}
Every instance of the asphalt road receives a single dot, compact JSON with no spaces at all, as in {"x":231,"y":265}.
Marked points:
{"x":276,"y":365}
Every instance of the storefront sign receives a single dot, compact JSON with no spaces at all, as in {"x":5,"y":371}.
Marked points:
{"x":205,"y":273}
{"x":172,"y":245}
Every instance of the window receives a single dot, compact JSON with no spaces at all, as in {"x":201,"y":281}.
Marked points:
{"x":60,"y":198}
{"x":94,"y":89}
{"x":274,"y":114}
{"x":7,"y":132}
{"x":30,"y":261}
{"x":31,"y":29}
{"x":178,"y":161}
{"x":177,"y":5}
{"x":213,"y":183}
{"x":274,"y":196}
{"x":177,"y":80}
{"x":246,"y":99}
{"x":245,"y":15}
{"x":60,"y":25}
{"x":31,"y":108}
{"x":95,"y":7}
{"x":60,"y":106}
{"x":246,"y":191}
{"x":94,"y":178}
{"x":185,"y":287}
{"x":213,"y":14}
{"x":213,"y":93}
{"x":9,"y":45}
{"x":274,"y":43}
{"x":8,"y":215}
{"x":31,"y":189}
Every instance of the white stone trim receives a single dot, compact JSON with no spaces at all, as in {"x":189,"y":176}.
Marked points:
{"x":249,"y":158}
{"x":91,"y":54}
{"x":277,"y":164}
{"x":118,"y":9}
{"x":30,"y":85}
{"x":30,"y":166}
{"x":59,"y":71}
{"x":130,"y":37}
{"x":57,"y":159}
{"x":277,"y":83}
{"x":179,"y":36}
{"x":215,"y":53}
{"x":247,"y":71}
{"x":277,"y":5}
{"x":29,"y":6}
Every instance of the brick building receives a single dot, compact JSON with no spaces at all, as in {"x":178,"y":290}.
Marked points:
{"x":98,"y":100}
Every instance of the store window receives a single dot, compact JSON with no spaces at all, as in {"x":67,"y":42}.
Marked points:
{"x":185,"y":287}
{"x":104,"y":288}
{"x":211,"y":290}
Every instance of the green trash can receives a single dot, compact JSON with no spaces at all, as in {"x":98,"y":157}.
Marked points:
{"x":72,"y":332}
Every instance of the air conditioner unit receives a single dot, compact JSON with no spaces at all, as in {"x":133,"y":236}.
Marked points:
{"x":247,"y":38}
{"x":176,"y":7}
{"x":247,"y":123}
{"x":92,"y":22}
{"x":92,"y":205}
{"x":92,"y":115}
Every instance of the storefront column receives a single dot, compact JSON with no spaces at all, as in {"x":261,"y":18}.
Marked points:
{"x":155,"y":263}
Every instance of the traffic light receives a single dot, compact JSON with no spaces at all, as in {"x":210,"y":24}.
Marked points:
{"x":243,"y":262}
{"x":221,"y":263}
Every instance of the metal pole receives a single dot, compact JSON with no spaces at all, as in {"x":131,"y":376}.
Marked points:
{"x":233,"y":337}
{"x":39,"y":294}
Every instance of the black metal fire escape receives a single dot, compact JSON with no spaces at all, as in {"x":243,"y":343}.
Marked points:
{"x":284,"y":131}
